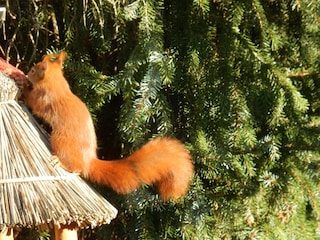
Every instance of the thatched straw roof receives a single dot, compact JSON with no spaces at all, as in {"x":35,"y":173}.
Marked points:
{"x":33,"y":191}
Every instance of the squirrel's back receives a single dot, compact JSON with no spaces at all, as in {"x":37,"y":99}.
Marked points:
{"x":73,"y":137}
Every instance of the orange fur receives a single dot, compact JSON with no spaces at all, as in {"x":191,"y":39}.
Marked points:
{"x":163,"y":162}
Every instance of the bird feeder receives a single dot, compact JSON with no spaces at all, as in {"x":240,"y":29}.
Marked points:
{"x":33,"y":191}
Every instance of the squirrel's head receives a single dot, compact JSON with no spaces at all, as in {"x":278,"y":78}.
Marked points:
{"x":50,"y":62}
{"x":37,"y":72}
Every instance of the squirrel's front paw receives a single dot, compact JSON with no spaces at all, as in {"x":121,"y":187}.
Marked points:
{"x":23,"y":83}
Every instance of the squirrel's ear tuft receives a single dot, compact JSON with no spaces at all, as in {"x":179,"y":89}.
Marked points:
{"x":42,"y":68}
{"x":55,"y":58}
{"x":62,"y":56}
{"x":59,"y":57}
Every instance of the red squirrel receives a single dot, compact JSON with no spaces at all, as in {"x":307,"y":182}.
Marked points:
{"x":163,"y":162}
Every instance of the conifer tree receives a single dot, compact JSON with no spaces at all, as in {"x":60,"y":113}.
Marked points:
{"x":237,"y":81}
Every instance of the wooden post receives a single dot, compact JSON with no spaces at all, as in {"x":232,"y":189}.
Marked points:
{"x":6,"y":234}
{"x":65,"y":232}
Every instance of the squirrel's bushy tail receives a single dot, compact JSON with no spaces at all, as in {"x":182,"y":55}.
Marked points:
{"x":162,"y":162}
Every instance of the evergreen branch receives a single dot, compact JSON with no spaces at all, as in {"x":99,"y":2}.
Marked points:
{"x":304,"y":74}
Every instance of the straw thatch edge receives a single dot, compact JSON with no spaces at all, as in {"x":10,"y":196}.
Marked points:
{"x":34,"y":192}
